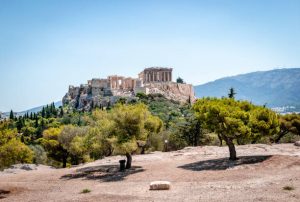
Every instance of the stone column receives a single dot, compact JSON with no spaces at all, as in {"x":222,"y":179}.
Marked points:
{"x":160,"y":77}
{"x":147,"y":77}
{"x":167,"y":74}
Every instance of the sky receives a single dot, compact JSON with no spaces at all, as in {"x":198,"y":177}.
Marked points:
{"x":47,"y":45}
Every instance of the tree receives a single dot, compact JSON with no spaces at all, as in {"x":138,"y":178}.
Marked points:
{"x":43,"y":113}
{"x":12,"y":150}
{"x":70,"y":139}
{"x":11,"y":115}
{"x":52,"y":145}
{"x":64,"y":142}
{"x":61,"y":113}
{"x":236,"y":120}
{"x":231,"y":93}
{"x":179,"y":80}
{"x":132,"y":124}
{"x":289,"y":123}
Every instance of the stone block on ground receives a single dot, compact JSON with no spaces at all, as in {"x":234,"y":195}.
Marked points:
{"x":297,"y":143}
{"x":160,"y":185}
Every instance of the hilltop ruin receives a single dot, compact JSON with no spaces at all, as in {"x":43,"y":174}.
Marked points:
{"x":100,"y":92}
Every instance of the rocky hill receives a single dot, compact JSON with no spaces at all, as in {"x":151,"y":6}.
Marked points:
{"x":276,"y":88}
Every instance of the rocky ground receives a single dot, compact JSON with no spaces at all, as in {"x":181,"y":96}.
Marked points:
{"x":263,"y":173}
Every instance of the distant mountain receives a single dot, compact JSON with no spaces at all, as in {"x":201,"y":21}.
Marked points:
{"x":37,"y":109}
{"x":276,"y":88}
{"x":33,"y":110}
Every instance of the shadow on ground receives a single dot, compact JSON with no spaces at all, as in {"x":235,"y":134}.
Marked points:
{"x":223,"y":163}
{"x":106,"y":173}
{"x":3,"y":193}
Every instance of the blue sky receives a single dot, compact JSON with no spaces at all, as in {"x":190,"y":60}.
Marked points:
{"x":47,"y":45}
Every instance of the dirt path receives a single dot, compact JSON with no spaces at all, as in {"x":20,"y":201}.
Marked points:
{"x":196,"y":174}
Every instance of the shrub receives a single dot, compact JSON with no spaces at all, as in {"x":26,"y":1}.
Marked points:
{"x":14,"y":152}
{"x":40,"y":155}
{"x":85,"y":191}
{"x":288,"y":188}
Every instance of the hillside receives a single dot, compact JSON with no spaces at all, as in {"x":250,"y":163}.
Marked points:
{"x":32,"y":110}
{"x":276,"y":88}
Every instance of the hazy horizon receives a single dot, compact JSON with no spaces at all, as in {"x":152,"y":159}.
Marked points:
{"x":45,"y":46}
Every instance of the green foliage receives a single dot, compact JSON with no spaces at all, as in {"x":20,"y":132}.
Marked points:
{"x":179,"y":80}
{"x":85,"y":191}
{"x":236,"y":120}
{"x":52,"y":145}
{"x":12,"y":150}
{"x":11,"y":115}
{"x":133,"y":123}
{"x":231,"y":93}
{"x":289,"y":123}
{"x":40,"y":155}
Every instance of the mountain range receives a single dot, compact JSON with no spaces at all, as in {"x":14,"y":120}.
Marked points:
{"x":274,"y":88}
{"x":32,"y":110}
{"x":278,"y":89}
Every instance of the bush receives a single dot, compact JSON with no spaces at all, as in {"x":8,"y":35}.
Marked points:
{"x":14,"y":152}
{"x":40,"y":155}
{"x":156,"y":142}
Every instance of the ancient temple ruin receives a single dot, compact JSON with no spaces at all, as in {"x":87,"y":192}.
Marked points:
{"x":156,"y":74}
{"x":106,"y":91}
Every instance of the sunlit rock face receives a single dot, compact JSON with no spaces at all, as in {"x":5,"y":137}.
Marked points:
{"x":106,"y":92}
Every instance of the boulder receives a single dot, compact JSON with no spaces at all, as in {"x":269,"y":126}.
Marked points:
{"x":160,"y":185}
{"x":297,"y":144}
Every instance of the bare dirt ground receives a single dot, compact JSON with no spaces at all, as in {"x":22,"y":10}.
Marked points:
{"x":196,"y":174}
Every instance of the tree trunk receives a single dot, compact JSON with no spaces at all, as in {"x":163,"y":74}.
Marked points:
{"x":220,"y":139}
{"x":64,"y":162}
{"x":231,"y":147}
{"x":281,"y":134}
{"x":143,"y":150}
{"x":129,"y":160}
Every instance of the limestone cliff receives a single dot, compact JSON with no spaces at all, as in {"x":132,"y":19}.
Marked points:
{"x":173,"y":91}
{"x":87,"y":97}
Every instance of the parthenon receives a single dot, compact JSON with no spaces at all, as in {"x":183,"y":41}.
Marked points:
{"x":105,"y":91}
{"x":156,"y":74}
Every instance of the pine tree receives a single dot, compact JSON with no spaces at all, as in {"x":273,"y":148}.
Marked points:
{"x":11,"y":115}
{"x":61,"y":112}
{"x":231,"y":93}
{"x":36,"y":122}
{"x":43,"y":112}
{"x":48,"y":113}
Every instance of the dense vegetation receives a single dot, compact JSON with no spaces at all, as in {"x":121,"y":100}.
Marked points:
{"x":62,"y":136}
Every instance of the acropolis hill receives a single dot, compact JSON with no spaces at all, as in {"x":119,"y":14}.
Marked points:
{"x":100,"y":92}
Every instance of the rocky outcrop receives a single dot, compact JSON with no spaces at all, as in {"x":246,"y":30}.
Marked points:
{"x":183,"y":93}
{"x":86,"y":97}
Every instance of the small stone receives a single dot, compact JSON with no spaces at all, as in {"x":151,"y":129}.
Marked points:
{"x":297,"y":144}
{"x":160,"y":185}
